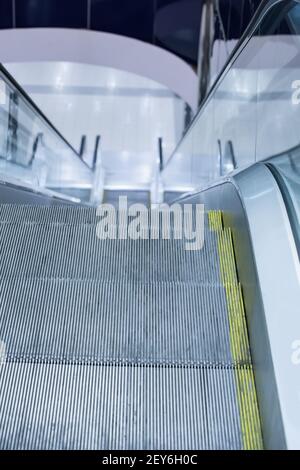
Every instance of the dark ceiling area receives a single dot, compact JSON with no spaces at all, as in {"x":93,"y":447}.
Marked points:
{"x":171,"y":24}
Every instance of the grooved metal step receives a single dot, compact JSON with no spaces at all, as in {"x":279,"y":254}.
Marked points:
{"x":13,"y":213}
{"x":48,"y":406}
{"x":120,"y":344}
{"x":67,"y":251}
{"x":104,"y":322}
{"x":73,"y":215}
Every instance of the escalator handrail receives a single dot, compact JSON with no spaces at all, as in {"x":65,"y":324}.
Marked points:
{"x":289,"y":204}
{"x":32,"y":105}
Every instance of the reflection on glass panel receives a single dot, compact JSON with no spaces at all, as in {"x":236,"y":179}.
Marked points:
{"x":191,"y":163}
{"x":130,"y":112}
{"x":179,"y":173}
{"x":203,"y":167}
{"x":278,"y":111}
{"x":31,"y":150}
{"x":235,"y":112}
{"x":224,"y":132}
{"x":278,"y":137}
{"x":255,"y":105}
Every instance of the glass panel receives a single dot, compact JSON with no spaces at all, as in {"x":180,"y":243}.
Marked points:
{"x":278,"y":114}
{"x":129,"y":111}
{"x":288,"y":168}
{"x":235,"y":113}
{"x":255,"y":104}
{"x":224,"y":132}
{"x":32,"y":151}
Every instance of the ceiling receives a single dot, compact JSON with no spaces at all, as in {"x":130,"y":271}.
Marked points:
{"x":171,"y":24}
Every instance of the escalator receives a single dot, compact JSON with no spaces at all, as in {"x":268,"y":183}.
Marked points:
{"x":141,"y":345}
{"x":110,"y":341}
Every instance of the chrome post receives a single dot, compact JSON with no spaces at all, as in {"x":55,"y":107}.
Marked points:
{"x":205,"y":48}
{"x":156,"y":190}
{"x":97,"y":189}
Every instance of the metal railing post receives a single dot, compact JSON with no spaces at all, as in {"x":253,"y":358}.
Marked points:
{"x":205,"y":48}
{"x":156,"y":190}
{"x":97,"y":189}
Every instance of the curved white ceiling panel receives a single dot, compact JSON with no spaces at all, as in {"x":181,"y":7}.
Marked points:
{"x":90,"y":47}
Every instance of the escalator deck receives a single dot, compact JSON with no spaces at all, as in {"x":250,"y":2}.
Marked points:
{"x":120,"y":344}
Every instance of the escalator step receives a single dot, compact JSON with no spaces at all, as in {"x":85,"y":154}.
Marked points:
{"x":111,"y":322}
{"x":86,"y":407}
{"x":65,"y":251}
{"x":112,"y":344}
{"x":67,"y":215}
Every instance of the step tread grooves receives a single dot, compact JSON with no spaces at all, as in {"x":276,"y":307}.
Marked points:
{"x":120,"y":344}
{"x":122,"y":321}
{"x":189,"y":408}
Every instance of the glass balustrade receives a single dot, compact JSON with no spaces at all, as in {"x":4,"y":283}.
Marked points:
{"x":253,"y":111}
{"x":32,"y":151}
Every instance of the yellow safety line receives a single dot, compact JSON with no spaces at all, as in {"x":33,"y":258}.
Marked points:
{"x":215,"y":220}
{"x":239,"y":341}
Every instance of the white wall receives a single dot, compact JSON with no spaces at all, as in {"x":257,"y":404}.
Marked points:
{"x":104,"y":49}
